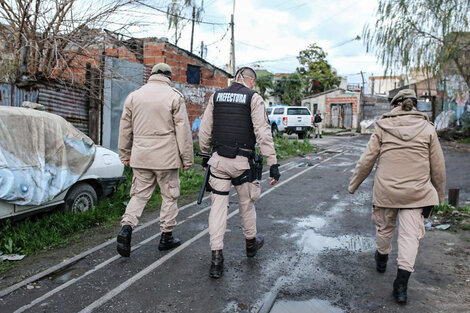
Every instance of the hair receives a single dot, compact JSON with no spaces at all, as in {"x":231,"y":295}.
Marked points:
{"x":245,"y":72}
{"x":408,"y":104}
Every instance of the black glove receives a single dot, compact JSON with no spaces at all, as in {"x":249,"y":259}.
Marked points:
{"x":204,"y":162}
{"x":274,"y":171}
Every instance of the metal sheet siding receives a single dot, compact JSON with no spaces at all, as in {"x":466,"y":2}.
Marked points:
{"x":19,"y":95}
{"x":70,"y":103}
{"x":5,"y":94}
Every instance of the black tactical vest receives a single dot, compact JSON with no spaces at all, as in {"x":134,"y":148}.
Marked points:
{"x":232,"y":124}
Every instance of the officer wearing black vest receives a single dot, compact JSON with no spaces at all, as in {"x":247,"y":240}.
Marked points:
{"x":234,"y":121}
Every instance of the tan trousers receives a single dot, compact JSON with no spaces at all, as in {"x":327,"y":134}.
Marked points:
{"x":248,"y":193}
{"x":410,"y":231}
{"x":143,"y":185}
{"x":318,"y":128}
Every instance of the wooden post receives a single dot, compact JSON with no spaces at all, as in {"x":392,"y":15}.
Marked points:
{"x":454,"y":197}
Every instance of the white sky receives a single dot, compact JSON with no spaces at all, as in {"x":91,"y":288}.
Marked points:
{"x":277,"y":30}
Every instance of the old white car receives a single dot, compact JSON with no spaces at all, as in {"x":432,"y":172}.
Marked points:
{"x":46,"y":162}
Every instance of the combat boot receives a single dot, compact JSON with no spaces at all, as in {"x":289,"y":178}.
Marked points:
{"x":124,"y":241}
{"x":400,"y":285}
{"x":167,"y":241}
{"x":320,"y":136}
{"x":217,"y":264}
{"x":380,"y":261}
{"x":316,"y":136}
{"x":253,"y":245}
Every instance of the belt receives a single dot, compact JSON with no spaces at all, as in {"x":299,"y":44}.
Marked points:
{"x":247,"y":154}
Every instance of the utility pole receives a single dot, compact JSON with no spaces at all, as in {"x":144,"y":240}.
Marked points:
{"x":360,"y":115}
{"x":192,"y":27}
{"x":202,"y":49}
{"x":232,"y":50}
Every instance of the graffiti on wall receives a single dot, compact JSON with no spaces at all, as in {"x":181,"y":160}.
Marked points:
{"x":456,"y":104}
{"x":196,"y":97}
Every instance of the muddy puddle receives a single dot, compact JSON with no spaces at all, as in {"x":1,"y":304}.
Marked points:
{"x":67,"y":274}
{"x":308,"y":306}
{"x":311,"y":241}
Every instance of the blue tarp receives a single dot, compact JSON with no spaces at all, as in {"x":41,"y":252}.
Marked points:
{"x":41,"y":155}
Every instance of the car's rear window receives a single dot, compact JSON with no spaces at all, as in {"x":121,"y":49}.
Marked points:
{"x":279,"y":111}
{"x":269,"y":110}
{"x":297,"y":111}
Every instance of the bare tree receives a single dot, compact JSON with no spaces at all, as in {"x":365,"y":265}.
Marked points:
{"x":48,"y":37}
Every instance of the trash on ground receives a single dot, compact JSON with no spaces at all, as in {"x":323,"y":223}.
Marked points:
{"x":11,"y":257}
{"x":443,"y":226}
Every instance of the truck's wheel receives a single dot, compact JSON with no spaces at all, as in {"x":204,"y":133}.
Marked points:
{"x":80,"y":198}
{"x":274,"y":131}
{"x":301,"y":135}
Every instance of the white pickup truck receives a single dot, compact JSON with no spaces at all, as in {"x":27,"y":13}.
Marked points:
{"x":289,"y":120}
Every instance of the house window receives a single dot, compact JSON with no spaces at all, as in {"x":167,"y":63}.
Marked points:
{"x":193,"y":74}
{"x":315,"y":108}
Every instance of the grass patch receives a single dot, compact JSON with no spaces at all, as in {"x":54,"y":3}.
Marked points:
{"x":286,"y":148}
{"x":43,"y":232}
{"x":464,"y":140}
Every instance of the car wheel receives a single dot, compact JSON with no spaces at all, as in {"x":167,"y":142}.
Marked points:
{"x":274,"y":131}
{"x":301,"y":135}
{"x":80,"y":198}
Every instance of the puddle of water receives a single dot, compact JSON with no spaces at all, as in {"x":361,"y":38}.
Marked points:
{"x":342,"y":164}
{"x":67,"y":274}
{"x":311,"y":222}
{"x":309,"y":306}
{"x":312,"y":242}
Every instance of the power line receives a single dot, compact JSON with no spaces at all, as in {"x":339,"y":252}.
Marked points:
{"x":212,"y":43}
{"x":179,"y":16}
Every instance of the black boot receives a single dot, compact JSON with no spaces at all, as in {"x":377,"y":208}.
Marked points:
{"x":380,"y":261}
{"x":316,"y":136}
{"x":320,"y":136}
{"x":217,"y":264}
{"x":253,"y":245}
{"x":400,"y":286}
{"x":167,"y":242}
{"x":124,"y":241}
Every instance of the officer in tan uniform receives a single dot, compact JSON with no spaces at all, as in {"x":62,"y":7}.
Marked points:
{"x":234,"y":121}
{"x":410,"y":178}
{"x":155,"y":140}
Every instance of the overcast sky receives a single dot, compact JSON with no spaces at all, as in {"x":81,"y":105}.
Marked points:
{"x":271,"y":33}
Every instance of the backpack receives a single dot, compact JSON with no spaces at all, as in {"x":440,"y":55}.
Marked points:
{"x":318,"y":118}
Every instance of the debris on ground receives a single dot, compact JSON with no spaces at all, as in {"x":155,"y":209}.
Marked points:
{"x":447,"y":217}
{"x":12,"y":257}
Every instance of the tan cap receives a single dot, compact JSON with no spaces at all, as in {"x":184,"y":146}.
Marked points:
{"x":403,"y":94}
{"x":161,"y":68}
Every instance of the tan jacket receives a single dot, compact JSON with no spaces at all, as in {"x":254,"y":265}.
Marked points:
{"x":260,"y":125}
{"x":411,"y":169}
{"x":154,"y":132}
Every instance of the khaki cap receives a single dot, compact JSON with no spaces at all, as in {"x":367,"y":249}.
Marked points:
{"x":403,"y":94}
{"x":161,"y":68}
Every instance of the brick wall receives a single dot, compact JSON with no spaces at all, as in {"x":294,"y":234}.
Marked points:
{"x":354,"y":100}
{"x":156,"y":51}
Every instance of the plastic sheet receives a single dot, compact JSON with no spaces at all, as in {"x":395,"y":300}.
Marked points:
{"x":41,"y":155}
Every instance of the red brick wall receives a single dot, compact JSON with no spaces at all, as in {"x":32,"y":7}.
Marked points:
{"x":354,"y":100}
{"x":196,"y":96}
